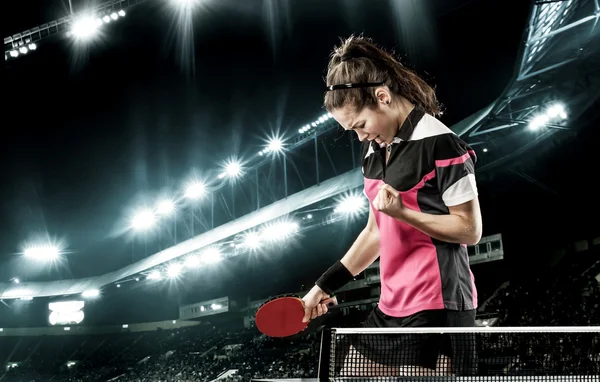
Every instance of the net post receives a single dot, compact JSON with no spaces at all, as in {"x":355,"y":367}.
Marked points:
{"x":325,"y":355}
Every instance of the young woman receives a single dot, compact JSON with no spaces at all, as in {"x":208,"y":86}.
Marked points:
{"x":419,"y":178}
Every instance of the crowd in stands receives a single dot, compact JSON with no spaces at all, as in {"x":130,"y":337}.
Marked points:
{"x":205,"y":352}
{"x":198,"y":353}
{"x":565,"y":295}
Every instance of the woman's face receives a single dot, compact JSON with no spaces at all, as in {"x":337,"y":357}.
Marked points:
{"x":379,"y":123}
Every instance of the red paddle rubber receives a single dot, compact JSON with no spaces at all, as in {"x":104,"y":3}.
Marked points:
{"x":282,"y":316}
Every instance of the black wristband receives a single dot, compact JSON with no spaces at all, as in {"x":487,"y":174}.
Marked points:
{"x":334,"y":278}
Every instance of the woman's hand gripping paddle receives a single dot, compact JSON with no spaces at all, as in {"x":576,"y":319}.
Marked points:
{"x":282,"y":316}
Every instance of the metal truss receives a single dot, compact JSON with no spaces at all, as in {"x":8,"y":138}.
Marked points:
{"x":559,"y":63}
{"x":329,"y":189}
{"x":62,"y":25}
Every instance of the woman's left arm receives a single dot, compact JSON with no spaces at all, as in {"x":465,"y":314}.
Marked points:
{"x":462,"y":225}
{"x":454,"y":163}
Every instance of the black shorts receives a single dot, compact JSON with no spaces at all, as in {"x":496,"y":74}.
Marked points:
{"x":420,"y":349}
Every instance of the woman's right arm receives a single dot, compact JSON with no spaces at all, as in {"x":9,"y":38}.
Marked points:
{"x":365,"y":249}
{"x":363,"y":252}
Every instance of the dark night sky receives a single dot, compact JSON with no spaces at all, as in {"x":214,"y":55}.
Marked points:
{"x":91,"y":132}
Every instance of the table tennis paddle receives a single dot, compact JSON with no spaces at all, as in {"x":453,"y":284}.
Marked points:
{"x":281,"y":316}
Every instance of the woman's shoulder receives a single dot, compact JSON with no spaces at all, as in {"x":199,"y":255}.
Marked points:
{"x":430,"y":127}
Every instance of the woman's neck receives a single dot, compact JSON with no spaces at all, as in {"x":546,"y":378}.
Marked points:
{"x":403,"y":109}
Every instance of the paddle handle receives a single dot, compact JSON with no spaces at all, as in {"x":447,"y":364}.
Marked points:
{"x":331,"y":302}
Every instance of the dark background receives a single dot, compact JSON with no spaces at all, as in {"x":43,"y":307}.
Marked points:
{"x":92,"y":132}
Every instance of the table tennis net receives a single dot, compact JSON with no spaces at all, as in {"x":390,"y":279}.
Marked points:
{"x":477,"y":353}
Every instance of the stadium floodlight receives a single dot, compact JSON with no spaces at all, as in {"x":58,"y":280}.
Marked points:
{"x":192,"y":261}
{"x":143,"y":220}
{"x":165,"y":207}
{"x":174,"y":270}
{"x":279,"y":231}
{"x":351,"y":204}
{"x":233,"y":169}
{"x":195,"y":190}
{"x":85,"y":27}
{"x":184,"y":4}
{"x":322,"y":119}
{"x":252,"y":240}
{"x":275,"y":145}
{"x":553,"y":113}
{"x":42,"y":252}
{"x":211,"y":256}
{"x":538,"y":121}
{"x":556,"y":111}
{"x":155,"y":275}
{"x":91,"y":293}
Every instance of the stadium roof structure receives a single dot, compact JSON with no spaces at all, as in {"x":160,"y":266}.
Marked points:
{"x":555,"y":81}
{"x":30,"y":37}
{"x":558,"y":71}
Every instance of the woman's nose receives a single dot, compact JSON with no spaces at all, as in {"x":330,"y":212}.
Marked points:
{"x":362,"y":136}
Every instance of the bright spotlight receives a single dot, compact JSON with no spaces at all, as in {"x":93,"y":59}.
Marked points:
{"x":154,"y":275}
{"x":84,"y":28}
{"x":195,"y":190}
{"x":275,"y":145}
{"x":279,"y":231}
{"x":211,"y":256}
{"x":165,"y":207}
{"x":557,"y":111}
{"x":538,"y":122}
{"x":192,"y":261}
{"x":184,"y":4}
{"x":43,"y":252}
{"x":143,"y":220}
{"x":233,"y":169}
{"x":352,"y":204}
{"x":91,"y":293}
{"x":174,"y":270}
{"x":554,"y":113}
{"x":252,"y":240}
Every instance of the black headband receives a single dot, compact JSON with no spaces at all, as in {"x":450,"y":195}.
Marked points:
{"x":354,"y":86}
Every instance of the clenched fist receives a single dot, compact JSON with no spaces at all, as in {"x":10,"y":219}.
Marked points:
{"x":389,"y":202}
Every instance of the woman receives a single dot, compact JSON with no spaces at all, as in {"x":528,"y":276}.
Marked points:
{"x":419,"y":179}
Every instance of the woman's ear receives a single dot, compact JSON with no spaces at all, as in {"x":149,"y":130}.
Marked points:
{"x":383,"y":96}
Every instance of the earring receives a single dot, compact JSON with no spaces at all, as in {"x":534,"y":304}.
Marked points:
{"x":387,"y":103}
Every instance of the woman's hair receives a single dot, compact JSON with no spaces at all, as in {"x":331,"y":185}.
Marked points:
{"x":359,"y":60}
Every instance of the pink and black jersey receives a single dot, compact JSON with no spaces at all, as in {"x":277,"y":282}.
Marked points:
{"x":433,"y":169}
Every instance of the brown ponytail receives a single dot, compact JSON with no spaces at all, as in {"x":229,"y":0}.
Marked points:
{"x":359,"y":60}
